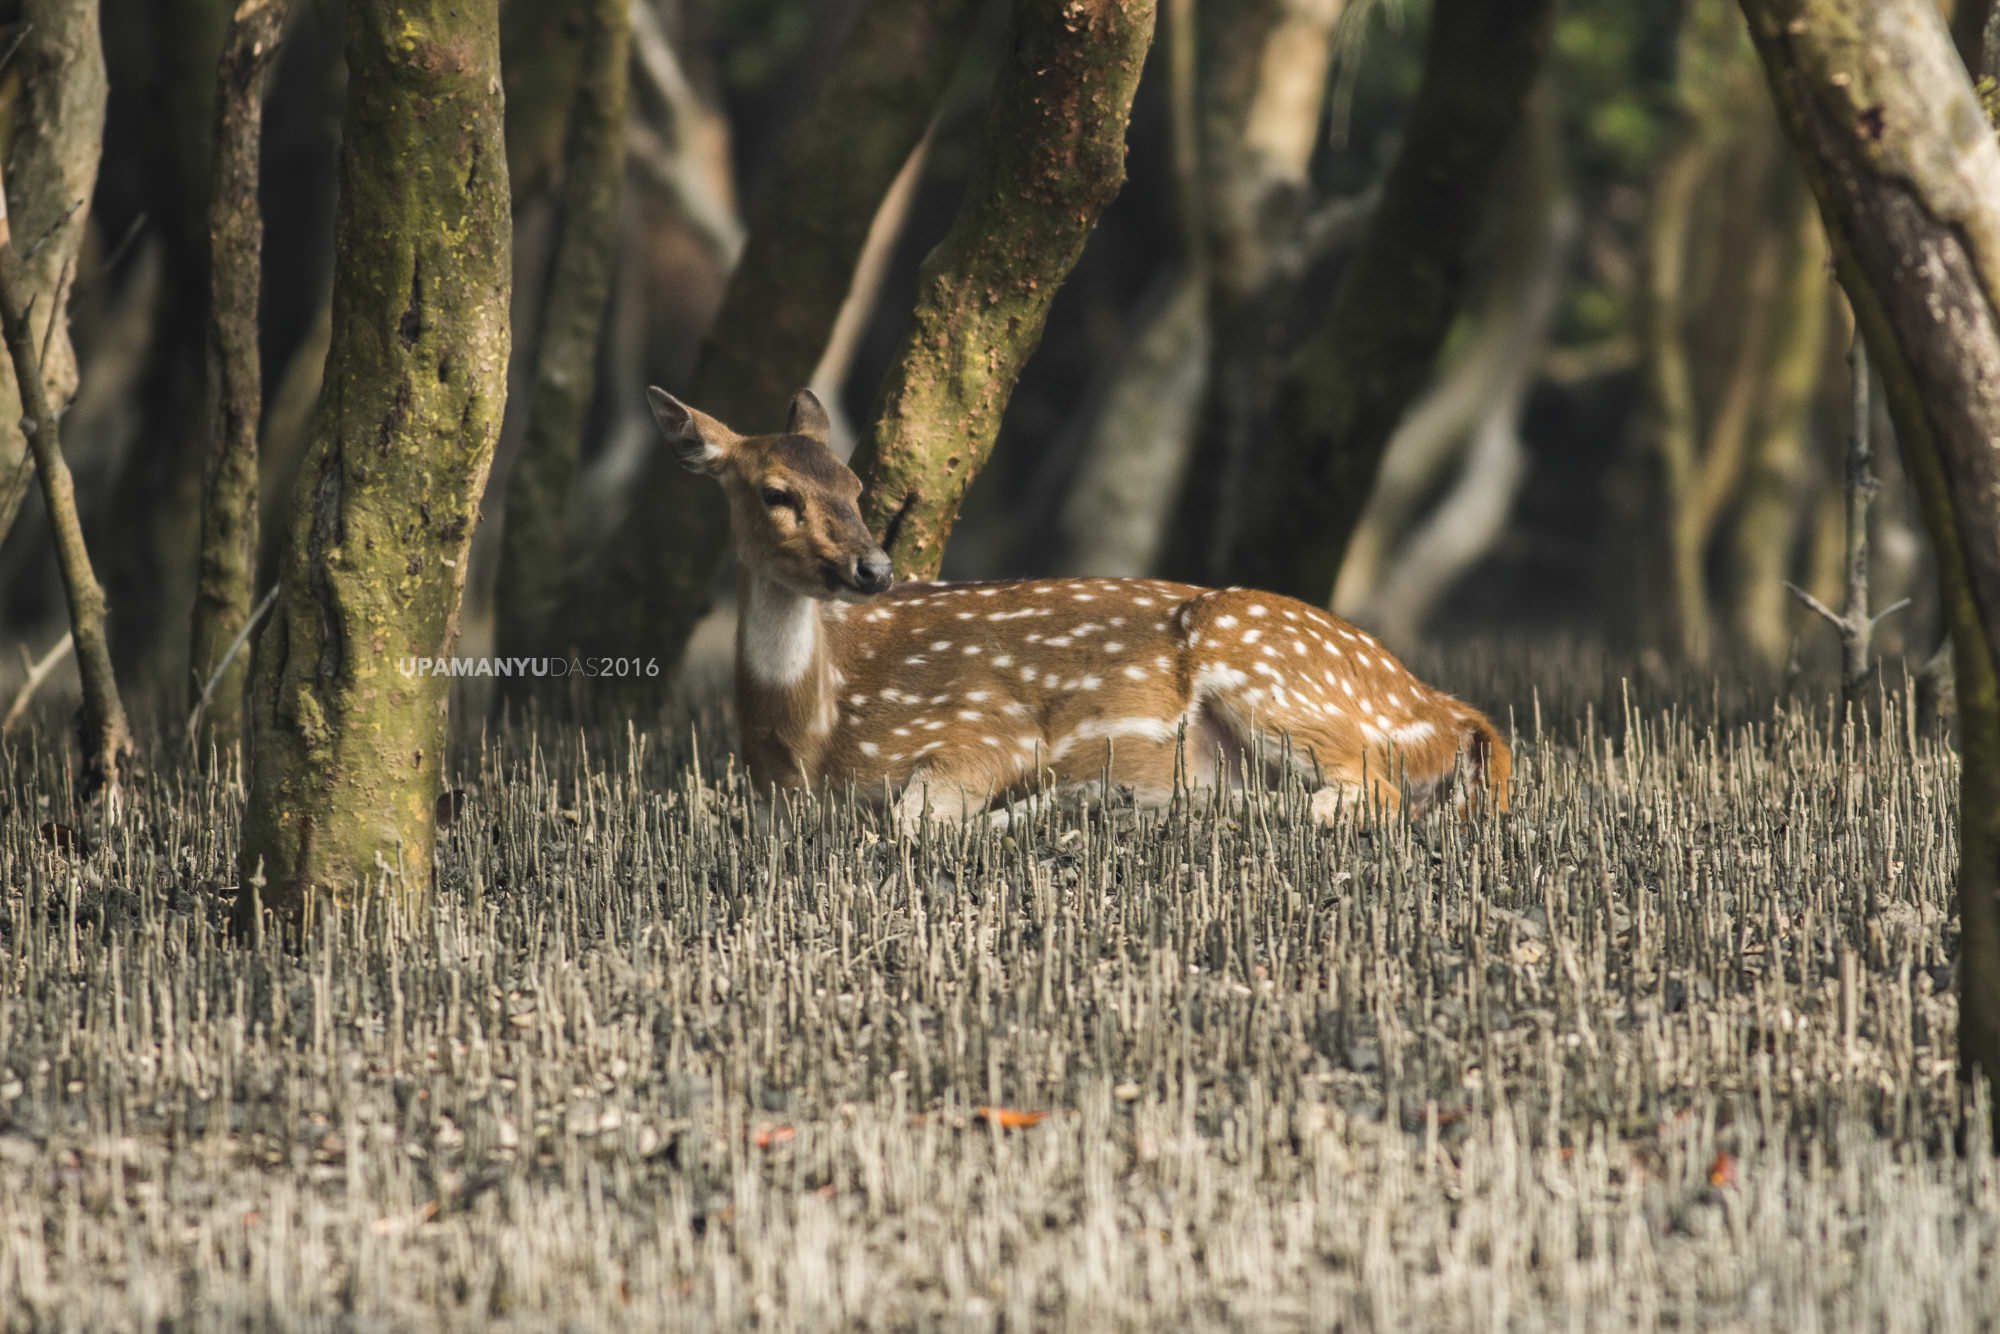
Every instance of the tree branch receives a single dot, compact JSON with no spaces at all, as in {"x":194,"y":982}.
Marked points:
{"x":107,"y":741}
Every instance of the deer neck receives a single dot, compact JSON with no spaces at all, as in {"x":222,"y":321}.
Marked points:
{"x":785,"y":680}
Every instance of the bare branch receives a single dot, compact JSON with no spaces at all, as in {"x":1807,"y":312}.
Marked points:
{"x":38,"y":672}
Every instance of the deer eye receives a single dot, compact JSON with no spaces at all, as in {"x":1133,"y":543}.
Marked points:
{"x":775,"y":496}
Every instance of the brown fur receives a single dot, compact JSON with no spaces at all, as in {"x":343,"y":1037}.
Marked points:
{"x":952,"y":697}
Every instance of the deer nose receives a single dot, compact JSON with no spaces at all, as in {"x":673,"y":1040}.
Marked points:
{"x":873,"y":572}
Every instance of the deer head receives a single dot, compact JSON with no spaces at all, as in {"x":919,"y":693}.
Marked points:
{"x":792,"y":508}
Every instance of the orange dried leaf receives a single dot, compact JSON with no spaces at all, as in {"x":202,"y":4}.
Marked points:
{"x":1008,"y":1118}
{"x":774,"y":1135}
{"x":1722,"y":1172}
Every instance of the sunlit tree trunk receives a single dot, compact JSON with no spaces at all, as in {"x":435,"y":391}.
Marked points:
{"x":1053,"y":158}
{"x":1907,"y":173}
{"x":347,"y":746}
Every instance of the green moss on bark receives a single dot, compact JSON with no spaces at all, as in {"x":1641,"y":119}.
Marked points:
{"x":346,"y":746}
{"x":1054,"y":157}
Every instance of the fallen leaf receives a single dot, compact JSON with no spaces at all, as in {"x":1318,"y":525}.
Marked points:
{"x":1722,"y":1172}
{"x":1008,"y":1118}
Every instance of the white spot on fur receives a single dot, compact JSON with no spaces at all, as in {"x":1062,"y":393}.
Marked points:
{"x":1113,"y":646}
{"x":940,"y":645}
{"x":868,"y":748}
{"x":1252,"y":636}
{"x":976,"y":696}
{"x":1257,"y":609}
{"x":1135,"y":673}
{"x":1226,"y":622}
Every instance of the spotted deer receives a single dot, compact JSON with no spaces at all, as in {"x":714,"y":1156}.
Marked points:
{"x":954,"y":698}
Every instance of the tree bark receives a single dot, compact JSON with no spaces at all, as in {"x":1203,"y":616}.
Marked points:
{"x":1907,"y":173}
{"x":533,"y":540}
{"x":806,"y":235}
{"x":1263,"y":68}
{"x":1310,"y":471}
{"x":226,"y":569}
{"x":1054,"y":157}
{"x":1975,"y":30}
{"x":107,"y":742}
{"x":51,"y":155}
{"x":346,"y":743}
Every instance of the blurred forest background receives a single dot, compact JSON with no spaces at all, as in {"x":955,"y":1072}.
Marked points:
{"x":1634,"y":434}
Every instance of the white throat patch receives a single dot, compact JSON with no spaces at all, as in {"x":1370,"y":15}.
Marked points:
{"x":778,"y":634}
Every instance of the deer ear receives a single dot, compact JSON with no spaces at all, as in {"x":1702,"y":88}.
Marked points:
{"x":807,"y":417}
{"x":700,"y":442}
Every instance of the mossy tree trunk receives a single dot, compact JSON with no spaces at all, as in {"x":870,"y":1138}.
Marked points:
{"x":1053,"y":158}
{"x":226,"y":567}
{"x":57,"y":128}
{"x":806,"y":235}
{"x":533,"y":546}
{"x":1311,"y":468}
{"x":346,"y":748}
{"x":1907,"y":173}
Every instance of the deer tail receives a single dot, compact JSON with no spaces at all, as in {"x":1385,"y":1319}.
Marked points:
{"x":1482,"y":749}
